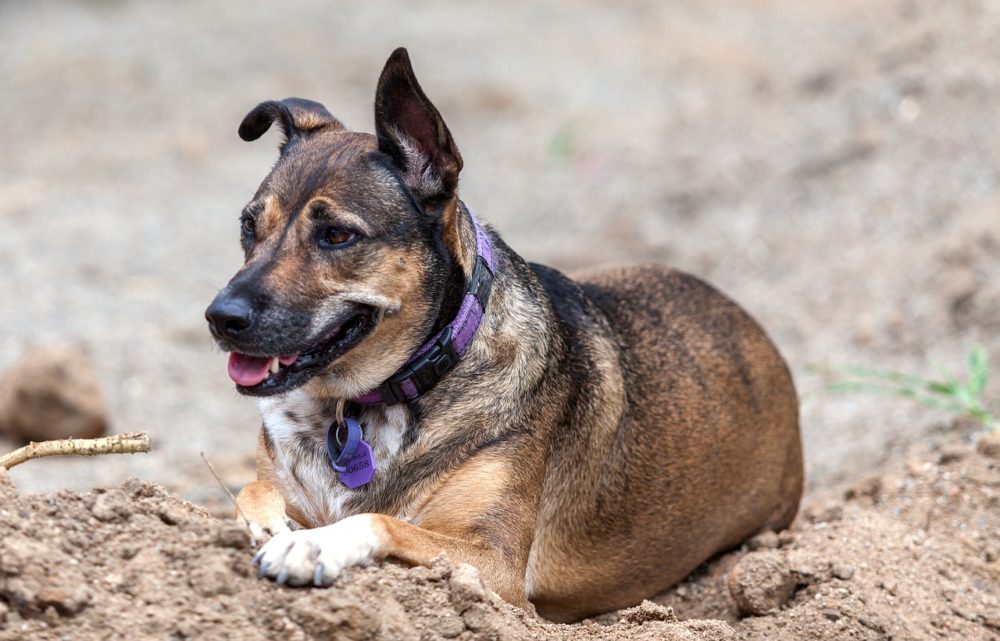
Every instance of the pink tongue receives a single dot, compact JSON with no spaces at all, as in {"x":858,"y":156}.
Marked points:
{"x":248,"y":370}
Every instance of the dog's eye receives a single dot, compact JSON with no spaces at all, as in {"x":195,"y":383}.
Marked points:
{"x":334,"y":237}
{"x":249,"y":225}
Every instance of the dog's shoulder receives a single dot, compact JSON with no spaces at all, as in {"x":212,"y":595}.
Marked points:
{"x":569,"y":302}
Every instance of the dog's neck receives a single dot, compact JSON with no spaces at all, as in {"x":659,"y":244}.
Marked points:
{"x":439,"y":354}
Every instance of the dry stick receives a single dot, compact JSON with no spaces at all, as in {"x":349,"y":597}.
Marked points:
{"x":239,"y":512}
{"x":130,"y":443}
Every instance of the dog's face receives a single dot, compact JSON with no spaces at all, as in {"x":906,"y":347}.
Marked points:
{"x":347,"y":257}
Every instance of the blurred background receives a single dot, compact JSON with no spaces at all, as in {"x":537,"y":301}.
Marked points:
{"x":832,"y":165}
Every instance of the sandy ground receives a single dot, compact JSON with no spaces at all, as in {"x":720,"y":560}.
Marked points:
{"x":910,"y":554}
{"x":833,"y":168}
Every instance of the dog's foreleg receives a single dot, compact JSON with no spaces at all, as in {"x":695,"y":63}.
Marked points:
{"x":458,"y":519}
{"x":317,"y":556}
{"x":263,"y":507}
{"x":260,"y":502}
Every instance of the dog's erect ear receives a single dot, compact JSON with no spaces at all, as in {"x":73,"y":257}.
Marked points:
{"x":411,"y":132}
{"x":296,"y":116}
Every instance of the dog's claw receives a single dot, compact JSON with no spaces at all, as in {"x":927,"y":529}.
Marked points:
{"x":257,"y":557}
{"x":263,"y":570}
{"x":318,"y":575}
{"x":282,"y":577}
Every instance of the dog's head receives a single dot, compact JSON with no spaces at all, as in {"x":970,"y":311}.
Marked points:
{"x":352,"y":245}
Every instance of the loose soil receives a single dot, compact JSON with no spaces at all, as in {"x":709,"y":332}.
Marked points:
{"x":913,"y":554}
{"x":832,"y":165}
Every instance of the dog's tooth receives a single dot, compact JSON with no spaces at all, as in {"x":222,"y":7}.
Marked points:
{"x":275,"y":365}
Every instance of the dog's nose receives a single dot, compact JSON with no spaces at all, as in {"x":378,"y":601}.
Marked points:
{"x":230,"y":316}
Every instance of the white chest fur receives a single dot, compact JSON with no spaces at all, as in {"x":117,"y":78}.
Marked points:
{"x":296,"y":424}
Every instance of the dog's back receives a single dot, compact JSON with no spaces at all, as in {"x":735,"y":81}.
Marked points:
{"x":694,"y":441}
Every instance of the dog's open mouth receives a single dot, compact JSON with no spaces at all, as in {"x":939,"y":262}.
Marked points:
{"x":268,"y":375}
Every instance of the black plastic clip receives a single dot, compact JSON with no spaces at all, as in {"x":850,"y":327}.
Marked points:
{"x":424,"y":372}
{"x":481,"y":283}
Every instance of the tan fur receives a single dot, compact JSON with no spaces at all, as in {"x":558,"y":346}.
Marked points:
{"x":682,"y":469}
{"x":451,"y":521}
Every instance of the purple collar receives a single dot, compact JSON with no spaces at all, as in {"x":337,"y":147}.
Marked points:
{"x":441,"y":353}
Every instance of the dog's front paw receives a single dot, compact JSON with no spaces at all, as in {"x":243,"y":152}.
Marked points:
{"x":318,"y":556}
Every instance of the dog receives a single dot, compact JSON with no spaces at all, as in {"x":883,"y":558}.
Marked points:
{"x":584,"y":443}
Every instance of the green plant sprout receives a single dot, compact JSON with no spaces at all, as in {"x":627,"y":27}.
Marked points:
{"x":563,"y":144}
{"x":961,"y":398}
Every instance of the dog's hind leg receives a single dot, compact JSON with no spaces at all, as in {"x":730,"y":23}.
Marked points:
{"x":791,"y":489}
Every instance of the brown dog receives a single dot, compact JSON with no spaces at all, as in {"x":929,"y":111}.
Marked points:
{"x":584,"y":443}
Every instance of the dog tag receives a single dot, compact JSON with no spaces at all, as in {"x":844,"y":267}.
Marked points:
{"x":360,"y":468}
{"x":354,"y":463}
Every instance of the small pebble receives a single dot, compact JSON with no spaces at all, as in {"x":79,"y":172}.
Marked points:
{"x":826,"y":513}
{"x":989,"y":445}
{"x":870,"y":488}
{"x":950,"y":454}
{"x":450,"y":626}
{"x":765,"y":540}
{"x":466,"y":584}
{"x":844,"y":572}
{"x":761,"y":582}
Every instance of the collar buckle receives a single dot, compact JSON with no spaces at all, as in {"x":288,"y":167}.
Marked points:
{"x":423,"y":373}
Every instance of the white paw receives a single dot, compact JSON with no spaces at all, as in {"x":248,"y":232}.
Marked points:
{"x":318,"y":556}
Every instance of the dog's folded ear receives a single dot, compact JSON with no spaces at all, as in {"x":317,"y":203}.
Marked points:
{"x":296,"y":116}
{"x":411,"y":132}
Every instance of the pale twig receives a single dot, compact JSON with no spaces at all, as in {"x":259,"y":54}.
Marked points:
{"x":130,"y":443}
{"x":239,"y":512}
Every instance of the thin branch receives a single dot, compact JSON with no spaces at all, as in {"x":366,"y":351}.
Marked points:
{"x":130,"y":443}
{"x":225,"y":488}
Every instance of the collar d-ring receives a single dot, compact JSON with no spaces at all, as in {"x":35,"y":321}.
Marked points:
{"x":341,"y":423}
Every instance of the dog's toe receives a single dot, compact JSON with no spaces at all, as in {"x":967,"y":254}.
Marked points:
{"x":300,"y":562}
{"x":272,"y":556}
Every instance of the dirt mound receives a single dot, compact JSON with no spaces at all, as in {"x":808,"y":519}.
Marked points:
{"x":52,"y":393}
{"x":912,"y":554}
{"x":135,"y":562}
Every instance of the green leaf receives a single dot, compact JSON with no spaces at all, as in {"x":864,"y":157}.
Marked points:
{"x":979,"y":370}
{"x":947,"y":393}
{"x":948,"y":389}
{"x":880,"y":374}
